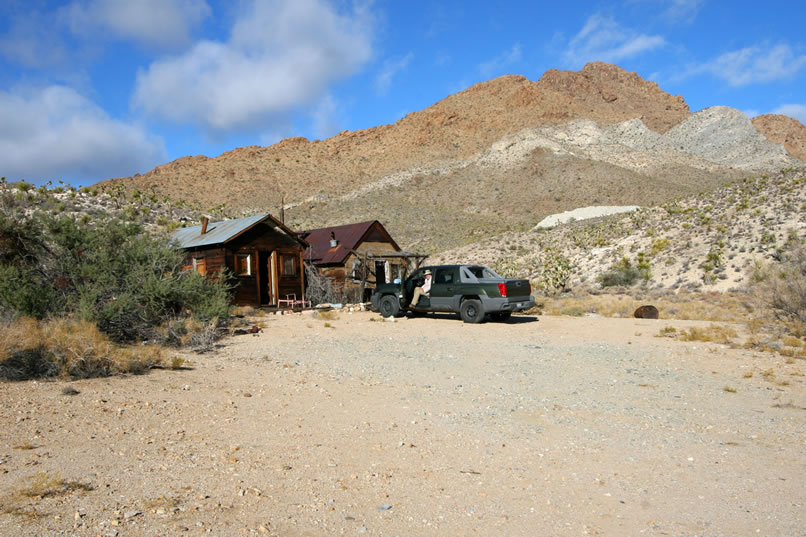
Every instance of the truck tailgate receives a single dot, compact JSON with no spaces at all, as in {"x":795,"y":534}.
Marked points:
{"x":518,"y":288}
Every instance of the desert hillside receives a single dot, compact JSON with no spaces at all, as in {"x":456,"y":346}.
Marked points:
{"x":497,"y":157}
{"x":705,"y":242}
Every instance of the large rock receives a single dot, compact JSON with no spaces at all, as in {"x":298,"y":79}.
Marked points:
{"x":783,"y":130}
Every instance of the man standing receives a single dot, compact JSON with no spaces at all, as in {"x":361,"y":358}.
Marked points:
{"x":423,"y":290}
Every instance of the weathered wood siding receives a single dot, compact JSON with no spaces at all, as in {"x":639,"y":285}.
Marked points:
{"x":256,"y":242}
{"x":214,"y":260}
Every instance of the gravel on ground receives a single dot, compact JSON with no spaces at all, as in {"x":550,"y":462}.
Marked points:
{"x":424,"y":427}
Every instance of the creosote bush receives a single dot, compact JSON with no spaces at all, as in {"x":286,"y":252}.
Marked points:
{"x":781,"y":287}
{"x":622,"y":273}
{"x":109,"y":273}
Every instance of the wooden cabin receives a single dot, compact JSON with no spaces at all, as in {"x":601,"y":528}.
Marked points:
{"x":356,"y":257}
{"x":264,"y":256}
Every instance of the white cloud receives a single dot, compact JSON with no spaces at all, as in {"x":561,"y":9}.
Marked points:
{"x":501,"y":62}
{"x":797,"y":111}
{"x":55,"y":133}
{"x":390,"y":68}
{"x":754,"y":65}
{"x":162,"y":23}
{"x":603,"y":39}
{"x":280,"y":56}
{"x":683,"y":10}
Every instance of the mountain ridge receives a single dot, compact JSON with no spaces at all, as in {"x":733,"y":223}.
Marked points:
{"x":380,"y":172}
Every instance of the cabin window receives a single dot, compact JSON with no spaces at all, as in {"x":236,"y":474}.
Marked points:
{"x":289,"y":265}
{"x":243,"y":264}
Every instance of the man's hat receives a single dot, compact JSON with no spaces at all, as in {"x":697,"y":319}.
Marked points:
{"x":427,"y":272}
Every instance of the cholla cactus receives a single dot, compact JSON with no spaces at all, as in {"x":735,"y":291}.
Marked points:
{"x":556,"y":272}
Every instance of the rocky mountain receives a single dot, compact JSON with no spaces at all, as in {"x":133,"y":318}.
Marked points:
{"x":498,"y":156}
{"x":784,"y":130}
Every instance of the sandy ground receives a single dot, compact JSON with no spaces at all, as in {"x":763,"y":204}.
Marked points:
{"x":420,"y":427}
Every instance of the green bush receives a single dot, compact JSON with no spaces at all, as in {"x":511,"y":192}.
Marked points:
{"x":622,"y":273}
{"x":556,"y":273}
{"x":111,"y":274}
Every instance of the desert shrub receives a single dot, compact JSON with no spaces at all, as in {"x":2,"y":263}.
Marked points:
{"x":781,"y":287}
{"x":508,"y":267}
{"x":201,"y":335}
{"x":555,"y":274}
{"x":319,"y":288}
{"x":622,"y":273}
{"x":111,"y":274}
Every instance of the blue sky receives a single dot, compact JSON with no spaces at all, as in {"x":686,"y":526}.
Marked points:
{"x":94,"y":89}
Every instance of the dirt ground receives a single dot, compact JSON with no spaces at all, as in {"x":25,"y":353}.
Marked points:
{"x":419,"y":427}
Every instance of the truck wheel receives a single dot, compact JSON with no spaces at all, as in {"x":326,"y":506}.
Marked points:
{"x":501,"y":316}
{"x":470,"y":311}
{"x":389,"y":306}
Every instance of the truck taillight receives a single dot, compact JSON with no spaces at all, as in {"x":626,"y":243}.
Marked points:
{"x":502,"y":289}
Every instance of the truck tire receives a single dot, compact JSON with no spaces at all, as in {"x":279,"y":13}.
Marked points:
{"x":389,"y":306}
{"x":501,"y":316}
{"x":470,"y":311}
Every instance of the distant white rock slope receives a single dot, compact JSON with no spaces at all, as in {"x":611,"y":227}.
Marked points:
{"x":584,"y":213}
{"x":715,"y":137}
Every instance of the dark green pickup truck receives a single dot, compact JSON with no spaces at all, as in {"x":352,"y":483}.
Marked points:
{"x":472,"y":291}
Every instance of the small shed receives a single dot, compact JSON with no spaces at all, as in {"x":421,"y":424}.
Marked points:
{"x":264,"y":256}
{"x":357,"y":257}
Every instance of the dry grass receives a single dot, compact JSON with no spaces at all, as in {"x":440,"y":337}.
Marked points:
{"x":713,"y":334}
{"x":163,"y":502}
{"x":190,"y":332}
{"x":791,"y":341}
{"x":43,"y":485}
{"x":717,"y":307}
{"x":667,"y":331}
{"x":326,"y":315}
{"x":177,"y":362}
{"x":67,"y":348}
{"x":245,"y":311}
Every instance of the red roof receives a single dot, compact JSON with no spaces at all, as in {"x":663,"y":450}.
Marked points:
{"x":348,"y":236}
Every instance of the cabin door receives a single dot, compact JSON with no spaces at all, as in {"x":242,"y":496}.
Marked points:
{"x":267,"y":281}
{"x":380,"y":272}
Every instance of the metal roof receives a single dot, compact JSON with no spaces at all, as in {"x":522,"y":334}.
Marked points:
{"x":224,"y":231}
{"x":348,"y":236}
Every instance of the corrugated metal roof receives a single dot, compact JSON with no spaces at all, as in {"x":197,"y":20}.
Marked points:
{"x":348,"y":235}
{"x":221,"y":232}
